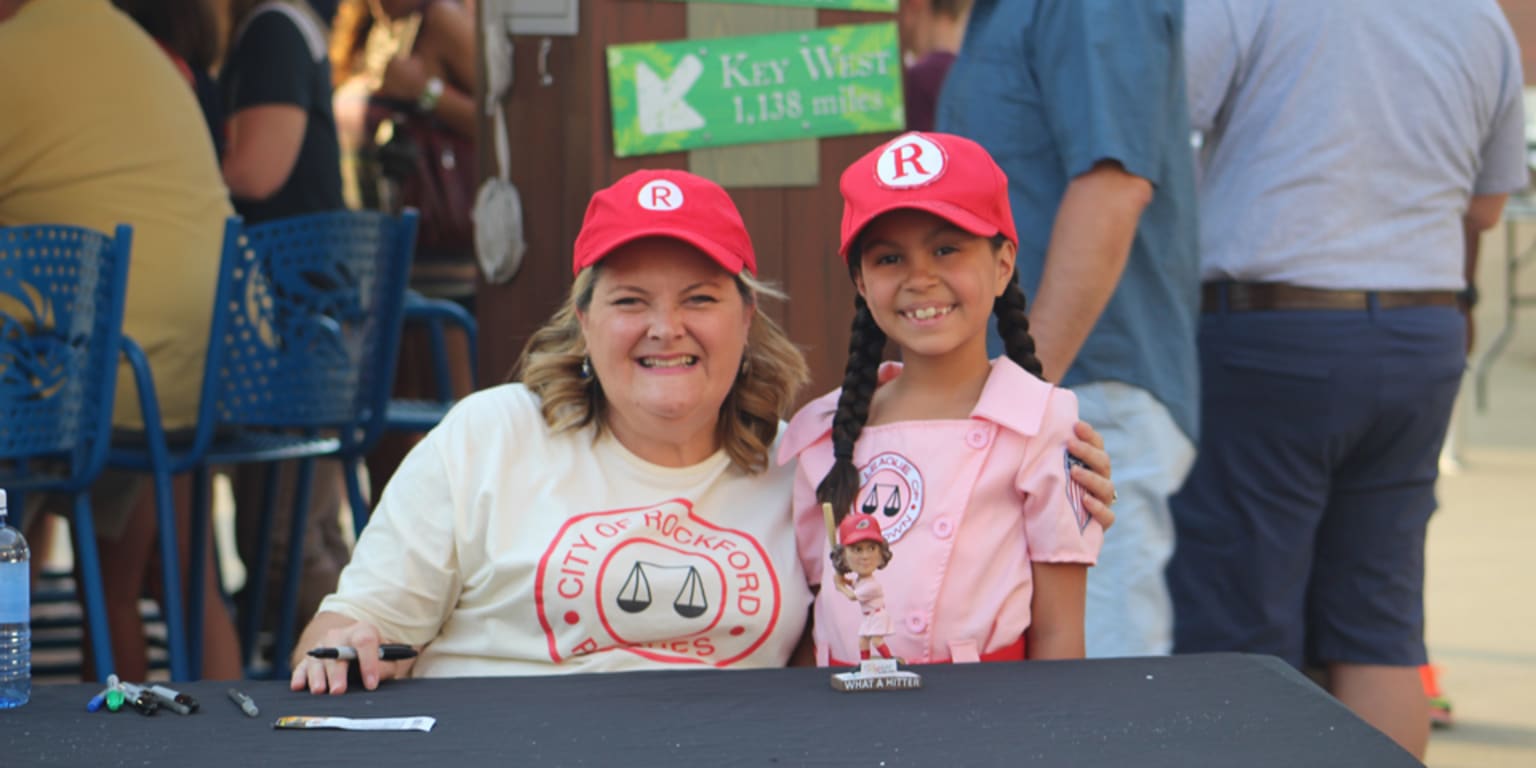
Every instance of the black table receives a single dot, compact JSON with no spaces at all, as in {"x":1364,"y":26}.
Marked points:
{"x":1206,"y":710}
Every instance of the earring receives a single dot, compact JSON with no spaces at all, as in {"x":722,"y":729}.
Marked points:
{"x":746,"y":365}
{"x":586,"y":367}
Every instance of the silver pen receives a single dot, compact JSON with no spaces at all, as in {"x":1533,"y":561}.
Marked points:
{"x":246,"y":704}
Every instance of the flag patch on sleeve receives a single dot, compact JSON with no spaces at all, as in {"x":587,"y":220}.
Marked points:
{"x":1075,"y":490}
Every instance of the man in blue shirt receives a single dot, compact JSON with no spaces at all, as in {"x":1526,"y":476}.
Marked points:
{"x":1082,"y":103}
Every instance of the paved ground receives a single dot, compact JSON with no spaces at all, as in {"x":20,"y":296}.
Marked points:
{"x":1481,"y":568}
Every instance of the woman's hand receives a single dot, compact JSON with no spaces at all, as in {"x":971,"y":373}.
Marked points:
{"x":1088,"y":447}
{"x":330,"y":675}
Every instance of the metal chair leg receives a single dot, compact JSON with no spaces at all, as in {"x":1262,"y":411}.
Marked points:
{"x":94,"y":596}
{"x":165,"y":510}
{"x":197,"y":559}
{"x":355,"y":500}
{"x":170,"y":561}
{"x":256,"y":573}
{"x":282,"y":643}
{"x":441,"y":379}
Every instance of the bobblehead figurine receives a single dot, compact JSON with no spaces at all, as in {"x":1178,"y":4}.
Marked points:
{"x":859,"y":550}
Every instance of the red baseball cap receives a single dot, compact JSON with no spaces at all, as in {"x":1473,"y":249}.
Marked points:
{"x":663,"y":203}
{"x":946,"y":175}
{"x":858,"y":527}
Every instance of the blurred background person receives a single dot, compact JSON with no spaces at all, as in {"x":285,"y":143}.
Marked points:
{"x":932,"y":31}
{"x":1082,"y":104}
{"x":282,"y":159}
{"x":96,"y":146}
{"x":405,"y":103}
{"x":192,"y":33}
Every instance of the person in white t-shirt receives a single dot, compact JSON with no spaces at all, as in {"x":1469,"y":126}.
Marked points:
{"x":617,"y":509}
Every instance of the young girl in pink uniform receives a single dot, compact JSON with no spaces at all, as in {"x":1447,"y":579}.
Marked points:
{"x":961,"y":459}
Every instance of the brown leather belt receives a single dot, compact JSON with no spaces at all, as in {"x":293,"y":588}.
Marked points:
{"x":1254,"y":297}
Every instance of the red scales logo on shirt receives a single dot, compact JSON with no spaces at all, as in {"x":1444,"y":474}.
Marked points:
{"x":658,"y":582}
{"x":892,"y":487}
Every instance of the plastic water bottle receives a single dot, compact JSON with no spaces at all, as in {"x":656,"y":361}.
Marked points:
{"x":15,"y":615}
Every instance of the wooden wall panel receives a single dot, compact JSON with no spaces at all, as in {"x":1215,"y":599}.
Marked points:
{"x":1522,"y":17}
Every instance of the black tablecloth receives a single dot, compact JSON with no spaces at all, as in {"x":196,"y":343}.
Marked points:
{"x":1207,"y":710}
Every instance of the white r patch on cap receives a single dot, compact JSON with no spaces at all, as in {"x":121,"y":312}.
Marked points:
{"x":660,"y":195}
{"x":910,"y":161}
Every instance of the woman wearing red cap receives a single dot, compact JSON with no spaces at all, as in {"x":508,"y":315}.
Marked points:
{"x":965,"y":462}
{"x":617,"y":508}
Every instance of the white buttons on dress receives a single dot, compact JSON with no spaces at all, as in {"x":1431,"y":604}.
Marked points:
{"x":943,"y":528}
{"x":978,"y":438}
{"x":917,"y":623}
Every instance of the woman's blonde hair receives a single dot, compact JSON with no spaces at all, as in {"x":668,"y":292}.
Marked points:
{"x":773,"y":371}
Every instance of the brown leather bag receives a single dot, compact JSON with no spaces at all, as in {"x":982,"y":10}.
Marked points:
{"x":435,"y":170}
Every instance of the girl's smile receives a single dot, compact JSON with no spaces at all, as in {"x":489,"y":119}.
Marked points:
{"x":925,"y":314}
{"x":930,"y":285}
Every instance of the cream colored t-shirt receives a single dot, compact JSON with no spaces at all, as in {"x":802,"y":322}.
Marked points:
{"x":98,"y":128}
{"x":514,"y":551}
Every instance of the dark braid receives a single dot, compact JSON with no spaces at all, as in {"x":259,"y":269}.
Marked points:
{"x":865,"y":345}
{"x":1013,"y":326}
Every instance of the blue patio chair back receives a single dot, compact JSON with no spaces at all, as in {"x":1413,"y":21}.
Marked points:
{"x":307,"y":301}
{"x":62,"y":291}
{"x":303,"y":344}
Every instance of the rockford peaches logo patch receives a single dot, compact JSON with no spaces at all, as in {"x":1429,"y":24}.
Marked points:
{"x":659,"y":582}
{"x":891,"y":486}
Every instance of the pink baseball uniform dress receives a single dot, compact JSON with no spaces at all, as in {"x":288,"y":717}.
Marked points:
{"x":967,"y":505}
{"x":871,"y":597}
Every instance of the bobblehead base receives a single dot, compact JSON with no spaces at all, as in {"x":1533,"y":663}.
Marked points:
{"x":876,"y":675}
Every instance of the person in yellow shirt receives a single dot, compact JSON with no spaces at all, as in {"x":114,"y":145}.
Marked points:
{"x":96,"y":140}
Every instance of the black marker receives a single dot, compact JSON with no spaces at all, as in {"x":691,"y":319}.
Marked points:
{"x":141,"y":700}
{"x":387,"y":652}
{"x":171,"y":696}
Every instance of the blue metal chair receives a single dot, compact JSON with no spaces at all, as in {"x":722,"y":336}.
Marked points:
{"x":417,"y":415}
{"x":301,"y":359}
{"x":62,"y":290}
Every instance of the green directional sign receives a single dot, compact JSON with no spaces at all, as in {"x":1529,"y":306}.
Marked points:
{"x":833,"y":81}
{"x":888,"y":6}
